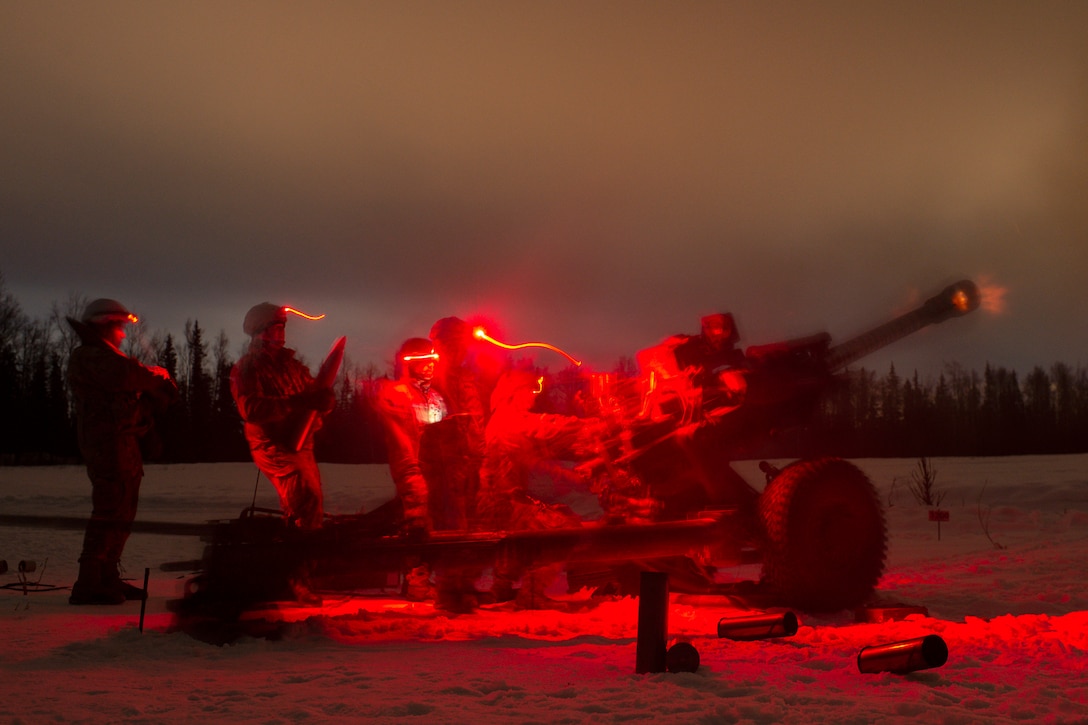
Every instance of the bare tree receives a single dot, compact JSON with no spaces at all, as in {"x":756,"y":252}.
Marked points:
{"x":984,"y":519}
{"x":923,"y":484}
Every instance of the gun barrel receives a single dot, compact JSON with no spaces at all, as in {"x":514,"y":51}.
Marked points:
{"x":955,"y":300}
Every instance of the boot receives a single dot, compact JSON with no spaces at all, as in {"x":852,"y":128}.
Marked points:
{"x":533,"y":592}
{"x":417,"y":584}
{"x":304,"y":593}
{"x":455,"y":593}
{"x":502,"y":589}
{"x":91,"y":589}
{"x":111,"y":575}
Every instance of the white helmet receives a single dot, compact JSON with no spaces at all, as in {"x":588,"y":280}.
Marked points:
{"x":104,"y":310}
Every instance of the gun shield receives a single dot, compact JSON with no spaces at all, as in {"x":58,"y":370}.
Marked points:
{"x":760,"y":626}
{"x":900,"y":658}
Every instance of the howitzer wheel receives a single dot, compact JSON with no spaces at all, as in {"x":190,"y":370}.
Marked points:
{"x":826,"y":535}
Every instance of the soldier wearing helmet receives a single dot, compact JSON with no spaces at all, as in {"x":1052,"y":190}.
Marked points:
{"x":453,"y":449}
{"x":274,"y":392}
{"x":116,"y":397}
{"x":407,"y":405}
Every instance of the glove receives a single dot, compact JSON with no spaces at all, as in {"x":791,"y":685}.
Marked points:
{"x":320,"y":399}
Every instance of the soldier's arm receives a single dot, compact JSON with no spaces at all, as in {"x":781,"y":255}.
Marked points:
{"x":253,"y":405}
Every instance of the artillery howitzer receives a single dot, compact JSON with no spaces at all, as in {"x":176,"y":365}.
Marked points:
{"x":817,"y":527}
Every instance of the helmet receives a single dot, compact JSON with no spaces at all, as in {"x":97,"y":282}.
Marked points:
{"x":261,"y":316}
{"x":452,"y":329}
{"x":414,"y":348}
{"x":103,"y":311}
{"x":720,"y":326}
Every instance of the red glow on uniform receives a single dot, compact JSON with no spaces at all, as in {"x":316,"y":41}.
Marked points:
{"x":480,"y":334}
{"x":303,"y":315}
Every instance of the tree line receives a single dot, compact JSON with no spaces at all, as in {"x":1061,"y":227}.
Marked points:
{"x":961,"y":413}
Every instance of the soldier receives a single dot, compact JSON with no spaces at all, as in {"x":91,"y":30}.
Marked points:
{"x":517,"y":441}
{"x":691,"y":377}
{"x":115,"y":398}
{"x":714,"y":349}
{"x":275,"y":393}
{"x":407,"y":405}
{"x":452,"y":450}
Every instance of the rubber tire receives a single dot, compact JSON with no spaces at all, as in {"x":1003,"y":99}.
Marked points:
{"x":826,"y":538}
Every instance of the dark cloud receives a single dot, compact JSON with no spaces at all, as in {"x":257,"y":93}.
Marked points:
{"x":598,"y":175}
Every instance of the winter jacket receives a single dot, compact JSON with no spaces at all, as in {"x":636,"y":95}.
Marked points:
{"x":115,"y":397}
{"x":265,"y":383}
{"x":405,"y":409}
{"x":517,"y":442}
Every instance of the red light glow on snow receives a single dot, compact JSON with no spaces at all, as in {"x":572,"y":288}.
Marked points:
{"x":481,"y":334}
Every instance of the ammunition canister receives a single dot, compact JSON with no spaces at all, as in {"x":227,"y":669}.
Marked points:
{"x":900,"y":658}
{"x":759,"y":626}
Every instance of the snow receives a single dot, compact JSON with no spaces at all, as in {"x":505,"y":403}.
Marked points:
{"x":1003,"y":586}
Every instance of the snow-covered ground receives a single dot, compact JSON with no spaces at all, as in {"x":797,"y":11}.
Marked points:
{"x":1003,"y":584}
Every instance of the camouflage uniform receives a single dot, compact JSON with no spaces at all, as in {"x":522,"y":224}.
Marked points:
{"x":407,"y":409}
{"x":453,"y":449}
{"x":115,"y":396}
{"x":518,"y":441}
{"x":267,"y":385}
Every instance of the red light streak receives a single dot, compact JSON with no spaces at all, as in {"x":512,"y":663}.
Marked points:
{"x":480,"y":334}
{"x":428,"y":356}
{"x":303,"y":315}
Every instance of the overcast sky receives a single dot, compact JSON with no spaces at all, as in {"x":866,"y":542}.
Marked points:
{"x":594,"y":174}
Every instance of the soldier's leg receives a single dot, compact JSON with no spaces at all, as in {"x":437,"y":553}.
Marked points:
{"x":119,"y":534}
{"x":106,"y":500}
{"x":309,"y":501}
{"x":297,"y":482}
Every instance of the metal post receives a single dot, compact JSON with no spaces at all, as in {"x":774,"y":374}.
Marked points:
{"x":143,"y":602}
{"x":653,"y":622}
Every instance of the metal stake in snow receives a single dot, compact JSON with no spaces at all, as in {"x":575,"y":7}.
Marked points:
{"x":143,"y":602}
{"x":938,"y":515}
